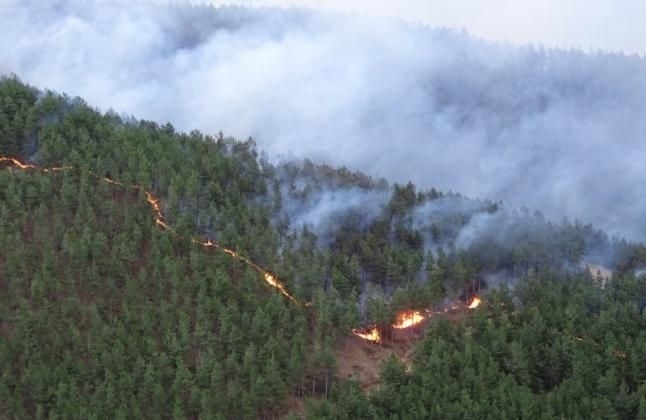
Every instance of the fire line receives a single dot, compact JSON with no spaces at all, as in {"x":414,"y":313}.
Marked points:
{"x":408,"y":319}
{"x":372,"y":334}
{"x":158,"y":214}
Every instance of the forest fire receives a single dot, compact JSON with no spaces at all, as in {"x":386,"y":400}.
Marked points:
{"x":17,"y":163}
{"x":208,"y":243}
{"x":369,"y":335}
{"x":403,"y":320}
{"x":21,"y":165}
{"x":150,"y":198}
{"x":155,"y":205}
{"x":475,"y":302}
{"x":408,"y":319}
{"x":269,"y":278}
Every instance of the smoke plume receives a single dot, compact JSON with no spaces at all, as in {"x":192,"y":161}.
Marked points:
{"x":561,"y":131}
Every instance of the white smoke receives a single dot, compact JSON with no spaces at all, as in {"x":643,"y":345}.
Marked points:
{"x":562,"y":131}
{"x":321,"y":211}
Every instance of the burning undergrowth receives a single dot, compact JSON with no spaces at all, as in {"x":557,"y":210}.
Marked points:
{"x":362,"y":354}
{"x":410,"y":323}
{"x":159,"y":219}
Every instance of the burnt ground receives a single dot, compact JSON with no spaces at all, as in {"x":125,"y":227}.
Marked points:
{"x":361,"y":360}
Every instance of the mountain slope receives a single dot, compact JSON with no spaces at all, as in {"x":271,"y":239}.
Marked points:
{"x":105,"y":309}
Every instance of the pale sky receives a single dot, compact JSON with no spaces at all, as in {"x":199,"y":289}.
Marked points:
{"x":611,"y":25}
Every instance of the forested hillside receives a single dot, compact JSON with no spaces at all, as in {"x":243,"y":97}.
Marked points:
{"x":101,"y":312}
{"x":553,"y":348}
{"x":105,"y":310}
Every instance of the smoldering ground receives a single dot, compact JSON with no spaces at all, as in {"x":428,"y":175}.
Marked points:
{"x":561,"y":131}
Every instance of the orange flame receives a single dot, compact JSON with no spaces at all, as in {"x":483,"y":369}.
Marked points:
{"x":269,"y":278}
{"x":408,"y":319}
{"x":21,"y":165}
{"x":208,"y":243}
{"x":403,"y":320}
{"x":17,"y":163}
{"x":475,"y":303}
{"x":370,"y":335}
{"x":155,"y":205}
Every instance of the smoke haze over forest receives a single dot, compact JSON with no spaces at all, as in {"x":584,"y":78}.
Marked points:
{"x":555,"y":130}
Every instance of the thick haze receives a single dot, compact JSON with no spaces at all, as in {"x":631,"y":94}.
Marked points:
{"x":562,"y":131}
{"x":587,"y":24}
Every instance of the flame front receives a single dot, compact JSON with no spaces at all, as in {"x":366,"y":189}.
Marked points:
{"x":370,"y":335}
{"x":475,"y":303}
{"x":17,"y":163}
{"x":155,"y":205}
{"x":408,"y":319}
{"x":269,"y":278}
{"x":403,"y":320}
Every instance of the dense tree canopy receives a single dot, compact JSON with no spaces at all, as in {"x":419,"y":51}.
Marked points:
{"x":103,"y":313}
{"x":552,"y":348}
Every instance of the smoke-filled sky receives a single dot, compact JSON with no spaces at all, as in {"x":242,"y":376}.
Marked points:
{"x":588,"y":24}
{"x":561,"y":131}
